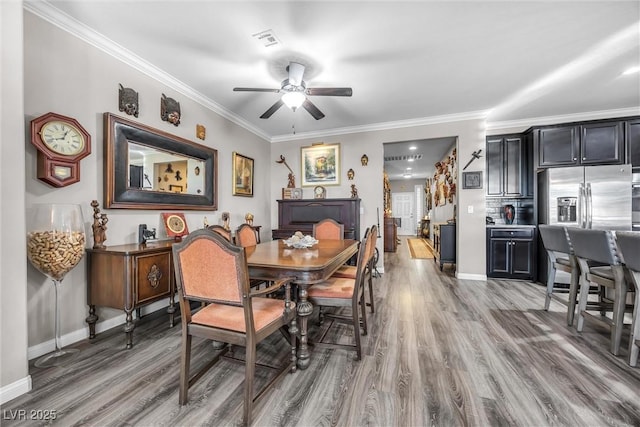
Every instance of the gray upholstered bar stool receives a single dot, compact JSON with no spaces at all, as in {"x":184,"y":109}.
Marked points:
{"x":561,"y":257}
{"x":629,"y":246}
{"x":600,"y":246}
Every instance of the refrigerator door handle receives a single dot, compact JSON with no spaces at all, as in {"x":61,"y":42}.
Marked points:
{"x":589,"y":206}
{"x":581,"y":207}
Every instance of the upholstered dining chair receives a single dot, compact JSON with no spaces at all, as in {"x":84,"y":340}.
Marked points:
{"x":247,"y":235}
{"x":344,"y":292}
{"x":221,"y":231}
{"x":212,"y":270}
{"x":328,"y":229}
{"x":629,"y":246}
{"x":560,"y":253}
{"x":350,"y":271}
{"x":598,"y":246}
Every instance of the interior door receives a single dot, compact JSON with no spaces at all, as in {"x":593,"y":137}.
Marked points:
{"x":402,"y":207}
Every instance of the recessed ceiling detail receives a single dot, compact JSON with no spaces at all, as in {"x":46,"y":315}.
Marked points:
{"x":405,"y":158}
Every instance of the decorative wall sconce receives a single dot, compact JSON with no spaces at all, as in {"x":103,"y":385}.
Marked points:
{"x":364,"y":160}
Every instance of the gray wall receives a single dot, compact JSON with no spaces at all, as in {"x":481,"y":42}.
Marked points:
{"x":14,"y":374}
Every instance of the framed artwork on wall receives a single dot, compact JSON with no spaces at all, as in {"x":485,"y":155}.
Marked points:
{"x":472,"y":180}
{"x":242,"y":175}
{"x":320,"y":165}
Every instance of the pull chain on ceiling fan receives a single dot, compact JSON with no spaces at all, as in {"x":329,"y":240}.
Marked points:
{"x":295,"y":92}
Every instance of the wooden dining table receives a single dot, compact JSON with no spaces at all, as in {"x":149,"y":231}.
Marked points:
{"x":275,"y":260}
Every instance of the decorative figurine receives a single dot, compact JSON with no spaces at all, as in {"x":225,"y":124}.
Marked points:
{"x":249,"y":218}
{"x":200,"y":132}
{"x":170,"y":110}
{"x":128,"y":100}
{"x":354,"y":191}
{"x":225,"y":219}
{"x":350,"y":174}
{"x":205,"y":222}
{"x":364,"y":160}
{"x":99,"y":226}
{"x":292,"y":178}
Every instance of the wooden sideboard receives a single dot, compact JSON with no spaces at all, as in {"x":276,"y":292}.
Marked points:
{"x":390,"y":234}
{"x":300,"y":215}
{"x":127,"y":277}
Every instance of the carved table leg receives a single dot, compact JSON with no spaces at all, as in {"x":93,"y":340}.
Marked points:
{"x":171,"y":309}
{"x":128,"y":328}
{"x":91,"y":320}
{"x":305,"y":308}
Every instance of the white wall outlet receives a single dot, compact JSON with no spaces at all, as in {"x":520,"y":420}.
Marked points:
{"x":470,"y":209}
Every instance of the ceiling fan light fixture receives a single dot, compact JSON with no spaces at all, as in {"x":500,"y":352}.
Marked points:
{"x":293,"y":100}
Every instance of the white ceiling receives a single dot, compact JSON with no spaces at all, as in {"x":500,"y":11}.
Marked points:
{"x":407,"y":62}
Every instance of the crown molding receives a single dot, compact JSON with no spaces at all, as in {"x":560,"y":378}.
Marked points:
{"x":565,"y":118}
{"x":400,"y":124}
{"x":45,"y":10}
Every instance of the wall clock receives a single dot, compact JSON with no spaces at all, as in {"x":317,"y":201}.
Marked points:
{"x":175,"y":224}
{"x":319,"y":192}
{"x":61,"y":143}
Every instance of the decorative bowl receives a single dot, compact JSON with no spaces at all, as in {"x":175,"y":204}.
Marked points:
{"x":300,"y":242}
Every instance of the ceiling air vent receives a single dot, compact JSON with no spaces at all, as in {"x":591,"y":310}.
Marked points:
{"x":405,"y":158}
{"x":267,"y":38}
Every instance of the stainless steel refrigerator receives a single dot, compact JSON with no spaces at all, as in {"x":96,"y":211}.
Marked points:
{"x":597,"y":197}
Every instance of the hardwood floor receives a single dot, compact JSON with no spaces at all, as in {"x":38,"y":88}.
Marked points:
{"x":440,"y":351}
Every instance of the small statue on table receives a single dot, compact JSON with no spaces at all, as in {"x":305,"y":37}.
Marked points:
{"x":354,"y":191}
{"x":249,"y":218}
{"x":225,"y":219}
{"x":99,"y":226}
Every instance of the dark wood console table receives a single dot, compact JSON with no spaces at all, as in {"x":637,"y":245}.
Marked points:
{"x":127,"y":277}
{"x":300,"y":215}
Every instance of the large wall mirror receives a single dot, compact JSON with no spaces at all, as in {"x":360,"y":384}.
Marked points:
{"x":150,"y":169}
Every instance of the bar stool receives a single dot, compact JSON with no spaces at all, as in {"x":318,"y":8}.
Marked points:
{"x":600,"y":246}
{"x":561,"y":257}
{"x":629,"y":246}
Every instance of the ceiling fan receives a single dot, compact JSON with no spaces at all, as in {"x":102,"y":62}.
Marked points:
{"x":294,"y":92}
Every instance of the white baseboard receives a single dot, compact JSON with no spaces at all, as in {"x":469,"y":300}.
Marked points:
{"x":467,"y":276}
{"x":15,"y":389}
{"x":81,"y":334}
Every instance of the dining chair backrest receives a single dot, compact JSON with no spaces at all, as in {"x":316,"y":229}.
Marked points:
{"x":629,"y":244}
{"x":594,"y":245}
{"x":247,"y":235}
{"x":328,"y":229}
{"x":221,"y":231}
{"x":210,"y":269}
{"x":554,"y":238}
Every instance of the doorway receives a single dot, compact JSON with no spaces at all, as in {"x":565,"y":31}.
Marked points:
{"x":403,"y":208}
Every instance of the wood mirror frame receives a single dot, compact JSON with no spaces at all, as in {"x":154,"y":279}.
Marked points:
{"x":119,"y":132}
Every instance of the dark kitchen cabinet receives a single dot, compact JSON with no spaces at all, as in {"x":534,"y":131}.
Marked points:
{"x":633,"y":141}
{"x":593,"y":143}
{"x":444,"y":244}
{"x":558,"y":146}
{"x":507,"y":166}
{"x":511,"y":252}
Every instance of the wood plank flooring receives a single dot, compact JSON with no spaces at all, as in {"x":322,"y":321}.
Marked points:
{"x":440,"y":351}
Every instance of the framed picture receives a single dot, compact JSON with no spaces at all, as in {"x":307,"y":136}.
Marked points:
{"x":242,"y":175}
{"x":471,"y":180}
{"x":320,"y":165}
{"x":175,"y":224}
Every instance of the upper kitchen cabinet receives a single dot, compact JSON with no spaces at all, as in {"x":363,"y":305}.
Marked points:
{"x":633,"y":142}
{"x":507,"y":166}
{"x":589,"y":143}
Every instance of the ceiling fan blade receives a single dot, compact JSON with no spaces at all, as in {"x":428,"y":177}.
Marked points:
{"x":329,"y":91}
{"x":296,"y":71}
{"x":312,"y":109}
{"x":272,"y":109}
{"x":254,"y":89}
